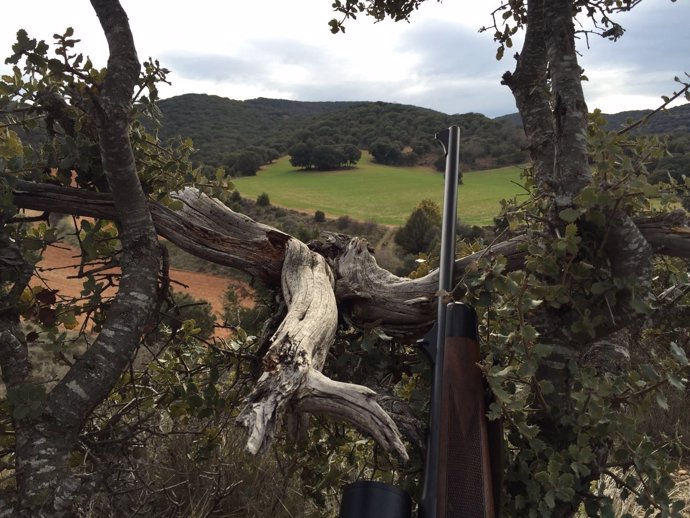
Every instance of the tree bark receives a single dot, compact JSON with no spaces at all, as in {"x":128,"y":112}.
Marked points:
{"x":45,"y":486}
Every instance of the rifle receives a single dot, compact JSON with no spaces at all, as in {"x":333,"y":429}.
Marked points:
{"x":458,"y":475}
{"x":463,"y":451}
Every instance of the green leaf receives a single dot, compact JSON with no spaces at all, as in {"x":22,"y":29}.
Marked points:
{"x":679,"y":354}
{"x":676,"y":382}
{"x":601,"y":287}
{"x":32,"y":243}
{"x":640,"y":306}
{"x":546,"y":387}
{"x":569,"y":215}
{"x":529,"y":333}
{"x":661,"y":401}
{"x":499,"y":53}
{"x":542,"y":350}
{"x":588,"y":197}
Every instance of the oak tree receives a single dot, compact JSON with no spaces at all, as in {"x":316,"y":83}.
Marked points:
{"x":581,"y":274}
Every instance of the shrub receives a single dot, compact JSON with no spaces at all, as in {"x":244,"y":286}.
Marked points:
{"x":343,"y":222}
{"x":263,"y":200}
{"x":319,"y":216}
{"x":422,"y":228}
{"x":235,"y":196}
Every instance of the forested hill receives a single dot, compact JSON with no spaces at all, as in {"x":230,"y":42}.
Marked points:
{"x":218,"y":125}
{"x":672,"y":121}
{"x":222,"y":127}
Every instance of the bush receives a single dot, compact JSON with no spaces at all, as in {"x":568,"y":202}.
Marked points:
{"x":422,"y":229}
{"x":319,"y":216}
{"x":263,"y":200}
{"x":235,"y":196}
{"x":343,"y":222}
{"x":305,"y":234}
{"x":184,"y":308}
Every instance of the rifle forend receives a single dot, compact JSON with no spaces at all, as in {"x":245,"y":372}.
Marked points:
{"x":464,"y":475}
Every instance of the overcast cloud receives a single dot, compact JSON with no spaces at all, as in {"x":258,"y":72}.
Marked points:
{"x":283,"y":49}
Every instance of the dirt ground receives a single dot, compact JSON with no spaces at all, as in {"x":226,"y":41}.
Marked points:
{"x":58,"y":270}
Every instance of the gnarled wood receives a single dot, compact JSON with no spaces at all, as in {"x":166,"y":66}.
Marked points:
{"x":299,"y":345}
{"x":366,"y":294}
{"x":354,"y":403}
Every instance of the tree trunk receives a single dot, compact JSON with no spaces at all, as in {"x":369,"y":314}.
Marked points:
{"x":45,"y":486}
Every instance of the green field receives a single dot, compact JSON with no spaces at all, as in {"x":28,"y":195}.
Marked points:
{"x":374,"y":192}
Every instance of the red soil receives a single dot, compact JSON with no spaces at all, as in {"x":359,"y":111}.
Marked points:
{"x":58,"y":270}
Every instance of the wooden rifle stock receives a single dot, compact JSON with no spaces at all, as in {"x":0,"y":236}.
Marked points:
{"x":464,"y":474}
{"x":459,"y":475}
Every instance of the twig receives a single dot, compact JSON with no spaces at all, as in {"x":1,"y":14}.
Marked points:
{"x":649,"y":115}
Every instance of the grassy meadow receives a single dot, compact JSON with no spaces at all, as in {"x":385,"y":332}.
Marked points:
{"x":374,"y":192}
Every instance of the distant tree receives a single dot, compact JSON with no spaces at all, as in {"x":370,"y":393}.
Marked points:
{"x":323,"y":156}
{"x":300,"y":155}
{"x":248,"y":163}
{"x":421,"y":229}
{"x":386,"y":152}
{"x":351,"y":155}
{"x":440,"y":163}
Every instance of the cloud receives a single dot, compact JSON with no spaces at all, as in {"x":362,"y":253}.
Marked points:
{"x":213,"y":67}
{"x":450,"y":49}
{"x":438,"y":60}
{"x":635,"y":71}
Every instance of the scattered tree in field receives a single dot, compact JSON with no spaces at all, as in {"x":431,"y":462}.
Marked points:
{"x":583,"y":298}
{"x":324,"y":157}
{"x":386,"y":152}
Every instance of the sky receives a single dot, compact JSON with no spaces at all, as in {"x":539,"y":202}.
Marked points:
{"x":284,"y":49}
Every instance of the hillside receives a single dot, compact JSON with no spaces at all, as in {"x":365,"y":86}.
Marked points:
{"x":220,"y":127}
{"x":672,"y":121}
{"x":242,"y":135}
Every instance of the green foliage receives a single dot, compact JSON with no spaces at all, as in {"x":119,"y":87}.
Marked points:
{"x":262,"y":200}
{"x":47,"y":134}
{"x":319,"y":216}
{"x":246,"y":125}
{"x":183,"y":313}
{"x":268,"y":127}
{"x":569,"y":420}
{"x":387,"y":153}
{"x":324,"y":156}
{"x":421,"y":230}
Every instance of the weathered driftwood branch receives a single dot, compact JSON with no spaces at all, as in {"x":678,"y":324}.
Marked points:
{"x":298,"y":346}
{"x":367,"y":294}
{"x":355,"y":403}
{"x":345,"y":278}
{"x":297,"y":353}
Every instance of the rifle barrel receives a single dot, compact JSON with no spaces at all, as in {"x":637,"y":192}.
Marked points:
{"x":450,"y":139}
